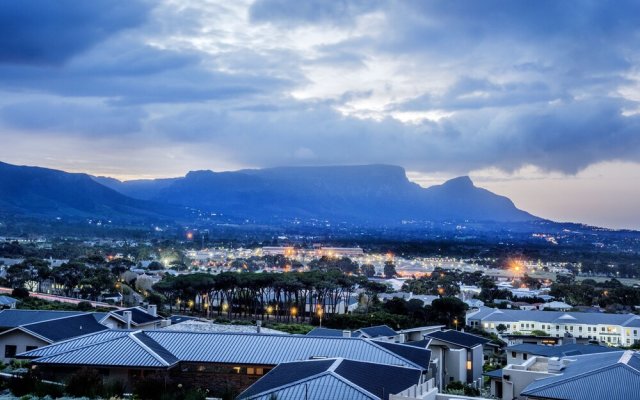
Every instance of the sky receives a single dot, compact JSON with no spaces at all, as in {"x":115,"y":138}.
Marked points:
{"x":538,"y":101}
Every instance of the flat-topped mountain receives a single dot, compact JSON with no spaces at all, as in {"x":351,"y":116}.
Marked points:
{"x":364,"y":194}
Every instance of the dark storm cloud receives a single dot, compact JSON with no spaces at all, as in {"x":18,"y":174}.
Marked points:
{"x":518,"y":82}
{"x":50,"y":32}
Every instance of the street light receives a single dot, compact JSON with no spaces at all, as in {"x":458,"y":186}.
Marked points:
{"x":225,"y":307}
{"x":269,"y":311}
{"x":294,"y":312}
{"x":320,"y":312}
{"x":455,"y":322}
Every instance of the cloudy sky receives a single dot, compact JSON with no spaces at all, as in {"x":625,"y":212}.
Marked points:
{"x":536,"y":100}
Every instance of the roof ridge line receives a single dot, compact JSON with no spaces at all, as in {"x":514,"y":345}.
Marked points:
{"x":55,"y":319}
{"x":288,"y":384}
{"x":393,"y":353}
{"x":78,"y":348}
{"x":353,"y":384}
{"x":146,"y":348}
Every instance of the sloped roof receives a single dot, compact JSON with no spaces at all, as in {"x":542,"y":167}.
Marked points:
{"x":339,"y":378}
{"x":614,"y":375}
{"x":7,"y":301}
{"x":75,"y":343}
{"x":458,"y":338}
{"x":498,"y":315}
{"x":377,"y":331}
{"x":562,"y":350}
{"x":328,"y":332}
{"x":258,"y":349}
{"x":15,"y":318}
{"x":64,"y":328}
{"x":138,"y":316}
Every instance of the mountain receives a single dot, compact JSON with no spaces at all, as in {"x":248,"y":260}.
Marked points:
{"x":42,"y":192}
{"x":369,"y":194}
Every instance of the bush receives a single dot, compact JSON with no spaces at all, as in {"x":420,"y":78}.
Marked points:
{"x":86,"y":382}
{"x":114,"y":388}
{"x":22,"y":385}
{"x":153,"y":387}
{"x":20,"y":293}
{"x":84,"y":306}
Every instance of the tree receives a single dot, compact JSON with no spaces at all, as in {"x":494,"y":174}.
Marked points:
{"x":389,"y":269}
{"x":368,"y":270}
{"x":501,"y":328}
{"x":447,"y":310}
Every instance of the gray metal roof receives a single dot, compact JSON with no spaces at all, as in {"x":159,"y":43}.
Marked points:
{"x":323,"y":387}
{"x":232,"y":348}
{"x":562,"y":350}
{"x":592,"y":377}
{"x":347,"y":377}
{"x":557,"y":317}
{"x":7,"y":301}
{"x":15,"y":318}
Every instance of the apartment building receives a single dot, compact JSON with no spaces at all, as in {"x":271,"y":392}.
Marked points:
{"x":611,"y":329}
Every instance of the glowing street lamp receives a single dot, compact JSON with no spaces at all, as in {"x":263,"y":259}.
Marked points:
{"x":225,"y":307}
{"x":269,"y":311}
{"x":455,"y":322}
{"x":294,"y":312}
{"x":320,"y":313}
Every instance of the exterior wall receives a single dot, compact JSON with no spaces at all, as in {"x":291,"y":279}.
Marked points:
{"x":19,"y":339}
{"x":217,"y":377}
{"x":455,"y":366}
{"x":613,"y":335}
{"x":518,"y":359}
{"x":477,"y":357}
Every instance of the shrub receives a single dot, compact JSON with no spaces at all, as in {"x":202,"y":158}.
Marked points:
{"x":22,"y":385}
{"x":84,"y":306}
{"x":86,"y":382}
{"x":153,"y":387}
{"x":20,"y":293}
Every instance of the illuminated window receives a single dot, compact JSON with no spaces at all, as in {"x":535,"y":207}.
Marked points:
{"x":259,"y":371}
{"x":251,"y":371}
{"x":236,"y":369}
{"x":469,"y":365}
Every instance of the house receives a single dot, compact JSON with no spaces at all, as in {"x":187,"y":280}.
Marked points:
{"x":333,"y":378}
{"x":612,"y":329}
{"x":13,"y":318}
{"x":31,"y":336}
{"x":134,"y":318}
{"x":456,"y":356}
{"x":418,"y":333}
{"x":379,"y":332}
{"x":209,"y":360}
{"x":520,"y":353}
{"x":7,"y":302}
{"x":609,"y":375}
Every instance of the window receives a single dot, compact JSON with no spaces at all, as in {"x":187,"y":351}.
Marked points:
{"x":29,"y":348}
{"x":10,"y":351}
{"x":513,"y":354}
{"x":469,"y":365}
{"x":525,"y":356}
{"x":251,"y":371}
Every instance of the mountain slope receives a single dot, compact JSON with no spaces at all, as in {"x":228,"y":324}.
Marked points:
{"x":363,"y":194}
{"x":43,"y":192}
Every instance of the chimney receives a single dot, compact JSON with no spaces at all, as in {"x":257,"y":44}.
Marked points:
{"x":258,"y":326}
{"x":346,"y":333}
{"x":152,"y":309}
{"x":127,"y":318}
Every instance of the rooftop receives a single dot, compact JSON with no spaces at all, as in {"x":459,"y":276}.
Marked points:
{"x":458,"y":338}
{"x":333,"y":378}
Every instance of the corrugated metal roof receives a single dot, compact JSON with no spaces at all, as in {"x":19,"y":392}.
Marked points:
{"x":498,"y":315}
{"x":7,"y":301}
{"x":341,"y":378}
{"x":74,"y":343}
{"x":15,"y":318}
{"x":378,"y":331}
{"x":123,"y":351}
{"x":325,"y":387}
{"x":65,"y":328}
{"x":562,"y":350}
{"x":458,"y":338}
{"x":237,"y":348}
{"x":612,"y":375}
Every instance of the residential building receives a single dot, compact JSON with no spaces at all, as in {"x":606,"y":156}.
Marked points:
{"x":30,"y":336}
{"x":609,"y":375}
{"x":455,"y":356}
{"x":209,"y":360}
{"x":7,"y":302}
{"x":612,"y":329}
{"x":520,"y":353}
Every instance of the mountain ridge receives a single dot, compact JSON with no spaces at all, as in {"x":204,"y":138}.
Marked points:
{"x":364,"y":194}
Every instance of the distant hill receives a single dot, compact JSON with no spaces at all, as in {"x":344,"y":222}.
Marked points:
{"x":369,"y":194}
{"x":42,"y":192}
